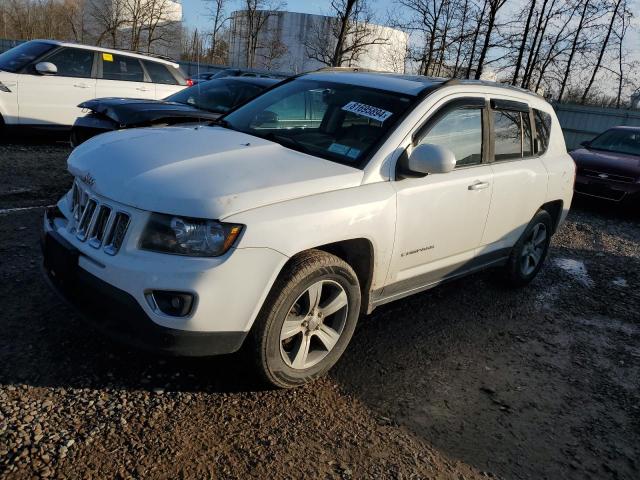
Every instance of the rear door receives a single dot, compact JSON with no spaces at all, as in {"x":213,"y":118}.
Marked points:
{"x":123,"y":76}
{"x":54,"y":99}
{"x":519,"y":176}
{"x":163,"y":78}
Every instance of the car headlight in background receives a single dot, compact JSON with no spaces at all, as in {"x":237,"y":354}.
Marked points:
{"x":188,"y":236}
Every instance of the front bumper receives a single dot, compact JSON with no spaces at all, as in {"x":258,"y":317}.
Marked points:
{"x":606,"y":189}
{"x":111,"y":291}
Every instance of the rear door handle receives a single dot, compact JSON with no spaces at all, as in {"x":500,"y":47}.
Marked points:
{"x":143,"y":89}
{"x":479,"y":186}
{"x":81,"y":85}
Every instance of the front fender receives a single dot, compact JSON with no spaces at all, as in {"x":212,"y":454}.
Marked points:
{"x":366,"y":211}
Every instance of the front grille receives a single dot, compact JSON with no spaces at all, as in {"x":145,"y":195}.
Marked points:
{"x":606,"y":176}
{"x":100,"y":224}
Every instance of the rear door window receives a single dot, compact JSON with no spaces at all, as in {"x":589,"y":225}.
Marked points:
{"x":512,"y":135}
{"x":72,"y":62}
{"x":123,"y":68}
{"x":159,"y":73}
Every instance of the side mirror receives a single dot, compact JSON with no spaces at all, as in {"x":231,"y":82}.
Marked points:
{"x":46,"y":68}
{"x":586,"y":143}
{"x":426,"y":159}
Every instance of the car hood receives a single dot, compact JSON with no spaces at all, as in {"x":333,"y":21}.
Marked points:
{"x":207,"y":172}
{"x":132,"y":111}
{"x":609,"y":162}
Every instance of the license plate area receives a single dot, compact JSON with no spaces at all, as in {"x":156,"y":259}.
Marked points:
{"x":60,"y":258}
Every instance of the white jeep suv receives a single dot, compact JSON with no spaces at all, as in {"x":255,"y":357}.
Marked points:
{"x":42,"y":82}
{"x":326,"y":196}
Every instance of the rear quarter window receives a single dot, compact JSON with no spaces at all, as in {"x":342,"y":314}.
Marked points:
{"x":543,"y":130}
{"x":159,"y":73}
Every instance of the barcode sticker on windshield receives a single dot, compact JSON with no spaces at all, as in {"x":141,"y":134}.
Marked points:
{"x":368,"y":111}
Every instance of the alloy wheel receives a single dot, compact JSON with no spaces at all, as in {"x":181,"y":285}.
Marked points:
{"x":314,"y":324}
{"x":533,"y":249}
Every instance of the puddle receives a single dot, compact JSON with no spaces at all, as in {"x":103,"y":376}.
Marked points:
{"x":576,"y":270}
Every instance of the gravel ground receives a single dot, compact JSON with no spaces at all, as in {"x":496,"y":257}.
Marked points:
{"x":465,"y":381}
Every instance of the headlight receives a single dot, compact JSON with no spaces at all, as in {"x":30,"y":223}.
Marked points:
{"x":188,"y":236}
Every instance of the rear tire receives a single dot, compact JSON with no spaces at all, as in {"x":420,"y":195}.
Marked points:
{"x":529,"y":253}
{"x":307,"y":320}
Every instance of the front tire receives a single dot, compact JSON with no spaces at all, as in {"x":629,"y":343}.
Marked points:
{"x":307,"y":320}
{"x":529,"y":253}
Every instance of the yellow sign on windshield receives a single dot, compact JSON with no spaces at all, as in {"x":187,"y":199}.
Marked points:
{"x":107,"y":57}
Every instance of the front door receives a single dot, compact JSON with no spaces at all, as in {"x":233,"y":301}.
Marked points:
{"x":54,"y":99}
{"x":441,"y":217}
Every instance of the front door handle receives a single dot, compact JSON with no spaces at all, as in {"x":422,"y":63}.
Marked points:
{"x":479,"y":186}
{"x":81,"y":85}
{"x":143,"y":89}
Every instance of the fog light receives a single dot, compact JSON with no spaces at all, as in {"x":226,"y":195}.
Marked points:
{"x":174,"y":304}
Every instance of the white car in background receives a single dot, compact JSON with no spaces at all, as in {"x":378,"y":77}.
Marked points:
{"x":319,"y":200}
{"x":42,"y":82}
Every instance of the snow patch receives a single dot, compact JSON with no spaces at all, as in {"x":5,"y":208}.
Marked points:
{"x":620,"y":282}
{"x":576,"y":270}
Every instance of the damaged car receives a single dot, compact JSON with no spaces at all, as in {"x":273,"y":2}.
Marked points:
{"x":201,"y":103}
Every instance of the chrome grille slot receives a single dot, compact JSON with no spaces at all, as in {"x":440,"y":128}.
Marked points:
{"x":116,"y":234}
{"x":96,"y":234}
{"x":86,"y":220}
{"x":96,"y":222}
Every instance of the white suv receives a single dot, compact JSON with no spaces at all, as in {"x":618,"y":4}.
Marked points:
{"x":42,"y":82}
{"x":312,"y":204}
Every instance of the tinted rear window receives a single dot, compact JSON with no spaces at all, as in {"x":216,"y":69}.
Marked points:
{"x":19,"y":57}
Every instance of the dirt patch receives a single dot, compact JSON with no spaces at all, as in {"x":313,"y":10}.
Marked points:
{"x":469,"y":380}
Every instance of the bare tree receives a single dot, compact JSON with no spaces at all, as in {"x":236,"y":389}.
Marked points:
{"x":344,"y":36}
{"x":574,"y":47}
{"x":523,"y":44}
{"x":605,"y":44}
{"x":494,"y":8}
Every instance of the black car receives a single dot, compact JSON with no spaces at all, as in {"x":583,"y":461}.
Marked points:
{"x":608,"y":167}
{"x":203,"y":102}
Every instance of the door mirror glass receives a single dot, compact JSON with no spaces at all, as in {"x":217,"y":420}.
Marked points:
{"x":46,"y":68}
{"x":427,"y":158}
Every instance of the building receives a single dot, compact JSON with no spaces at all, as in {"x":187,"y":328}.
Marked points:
{"x":635,"y":100}
{"x":153,"y":26}
{"x":288,"y":41}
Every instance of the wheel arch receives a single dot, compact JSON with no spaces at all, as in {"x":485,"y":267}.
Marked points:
{"x":358,"y":253}
{"x":554,"y":209}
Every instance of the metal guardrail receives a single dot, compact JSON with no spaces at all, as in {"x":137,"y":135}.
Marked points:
{"x":580,"y":122}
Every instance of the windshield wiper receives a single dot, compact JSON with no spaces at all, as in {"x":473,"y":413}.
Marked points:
{"x":292,"y":142}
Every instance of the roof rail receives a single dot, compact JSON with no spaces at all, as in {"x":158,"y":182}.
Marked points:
{"x":347,"y":69}
{"x":154,"y":55}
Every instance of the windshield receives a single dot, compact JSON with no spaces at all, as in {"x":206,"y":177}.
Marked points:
{"x":619,"y":141}
{"x":219,"y":96}
{"x":18,"y":57}
{"x":336,"y":121}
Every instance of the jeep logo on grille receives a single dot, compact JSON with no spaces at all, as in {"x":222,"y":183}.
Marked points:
{"x":88,"y":179}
